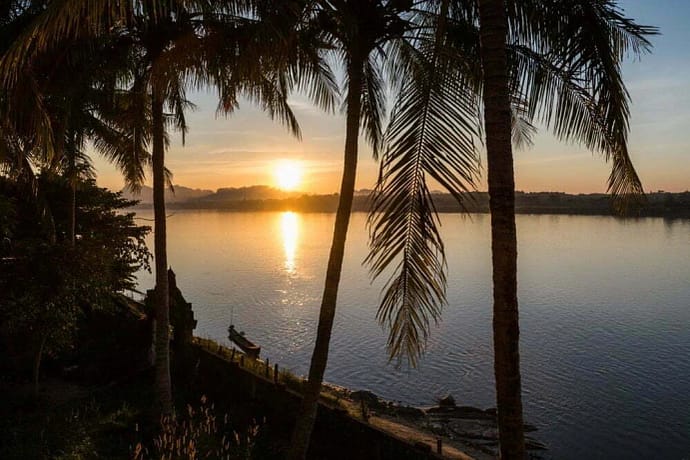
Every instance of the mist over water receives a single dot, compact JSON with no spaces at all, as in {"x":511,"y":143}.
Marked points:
{"x":604,"y":304}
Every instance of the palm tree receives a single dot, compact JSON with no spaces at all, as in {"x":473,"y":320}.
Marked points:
{"x":171,"y":45}
{"x":166,"y":40}
{"x":73,"y":98}
{"x":242,"y":65}
{"x":25,"y":131}
{"x":55,"y":110}
{"x":493,"y":31}
{"x":562,"y":68}
{"x":356,"y":32}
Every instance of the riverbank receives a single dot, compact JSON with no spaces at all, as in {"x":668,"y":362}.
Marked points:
{"x":443,"y":431}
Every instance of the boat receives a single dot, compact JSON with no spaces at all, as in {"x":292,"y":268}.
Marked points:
{"x":246,"y":345}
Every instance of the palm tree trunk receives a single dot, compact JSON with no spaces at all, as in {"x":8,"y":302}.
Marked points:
{"x":37,"y":363}
{"x":72,"y":178}
{"x":73,"y":211}
{"x":319,"y":359}
{"x":493,"y":33}
{"x":162,"y":340}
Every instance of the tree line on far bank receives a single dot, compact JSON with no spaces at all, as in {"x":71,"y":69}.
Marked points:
{"x":656,"y":204}
{"x":458,"y":73}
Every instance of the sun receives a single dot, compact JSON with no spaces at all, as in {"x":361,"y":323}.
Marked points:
{"x":288,"y":174}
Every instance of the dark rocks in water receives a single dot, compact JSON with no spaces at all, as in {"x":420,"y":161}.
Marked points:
{"x":467,"y":412}
{"x":447,"y":401}
{"x":470,"y":428}
{"x":471,"y":412}
{"x":476,"y":427}
{"x":468,"y":425}
{"x":409,"y":412}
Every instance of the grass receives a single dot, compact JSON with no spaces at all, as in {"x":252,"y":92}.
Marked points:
{"x":118,"y":422}
{"x":198,"y":433}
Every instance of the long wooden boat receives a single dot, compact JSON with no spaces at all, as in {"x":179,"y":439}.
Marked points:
{"x":243,"y":343}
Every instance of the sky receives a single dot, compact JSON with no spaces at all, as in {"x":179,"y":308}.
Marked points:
{"x":245,"y":148}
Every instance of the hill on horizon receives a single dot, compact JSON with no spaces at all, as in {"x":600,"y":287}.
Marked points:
{"x":182,"y":194}
{"x":252,"y":192}
{"x":266,"y":198}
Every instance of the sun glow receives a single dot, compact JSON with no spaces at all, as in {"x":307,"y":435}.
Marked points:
{"x":289,"y":229}
{"x":288,"y":175}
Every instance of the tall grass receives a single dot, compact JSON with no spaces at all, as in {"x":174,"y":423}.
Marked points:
{"x":198,"y":434}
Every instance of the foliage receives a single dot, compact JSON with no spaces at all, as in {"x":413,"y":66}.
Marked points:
{"x":564,"y":64}
{"x":7,"y":223}
{"x":105,"y":229}
{"x":112,"y":421}
{"x":199,"y":434}
{"x":248,"y":49}
{"x":48,"y":286}
{"x":74,"y":422}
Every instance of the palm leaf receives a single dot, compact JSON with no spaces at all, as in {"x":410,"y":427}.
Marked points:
{"x":430,"y":136}
{"x":570,"y":71}
{"x":373,"y":104}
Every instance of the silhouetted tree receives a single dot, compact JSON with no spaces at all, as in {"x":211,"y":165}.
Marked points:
{"x":356,"y":32}
{"x":171,"y":45}
{"x":47,"y":286}
{"x":554,"y":62}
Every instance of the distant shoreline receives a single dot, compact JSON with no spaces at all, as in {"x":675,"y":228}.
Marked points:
{"x":659,"y":204}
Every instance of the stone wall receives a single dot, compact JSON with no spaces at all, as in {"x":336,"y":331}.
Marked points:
{"x":337,"y":435}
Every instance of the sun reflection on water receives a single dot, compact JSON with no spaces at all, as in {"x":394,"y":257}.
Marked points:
{"x":289,"y":229}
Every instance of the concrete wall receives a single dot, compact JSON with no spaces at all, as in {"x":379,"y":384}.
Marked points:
{"x":337,"y":435}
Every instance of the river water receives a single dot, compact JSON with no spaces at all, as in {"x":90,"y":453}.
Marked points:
{"x":604,"y":305}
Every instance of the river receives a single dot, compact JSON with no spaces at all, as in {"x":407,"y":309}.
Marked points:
{"x":604,"y":305}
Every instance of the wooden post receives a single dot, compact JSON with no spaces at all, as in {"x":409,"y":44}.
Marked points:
{"x":241,"y":360}
{"x":232,"y":356}
{"x":439,"y":446}
{"x":365,"y":410}
{"x":275,"y":374}
{"x":267,"y":367}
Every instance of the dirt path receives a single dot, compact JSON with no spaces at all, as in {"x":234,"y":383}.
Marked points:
{"x":415,"y":435}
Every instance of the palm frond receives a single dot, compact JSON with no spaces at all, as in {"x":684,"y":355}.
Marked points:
{"x":169,"y":176}
{"x":312,"y":75}
{"x":61,"y":20}
{"x":523,"y":131}
{"x":122,"y":132}
{"x":271,"y":94}
{"x":431,"y":136}
{"x":373,"y":105}
{"x":570,"y":70}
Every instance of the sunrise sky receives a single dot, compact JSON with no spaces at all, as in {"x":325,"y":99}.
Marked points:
{"x":245,"y":148}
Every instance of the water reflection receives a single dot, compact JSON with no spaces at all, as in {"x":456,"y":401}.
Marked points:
{"x":604,"y":344}
{"x":289,"y":229}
